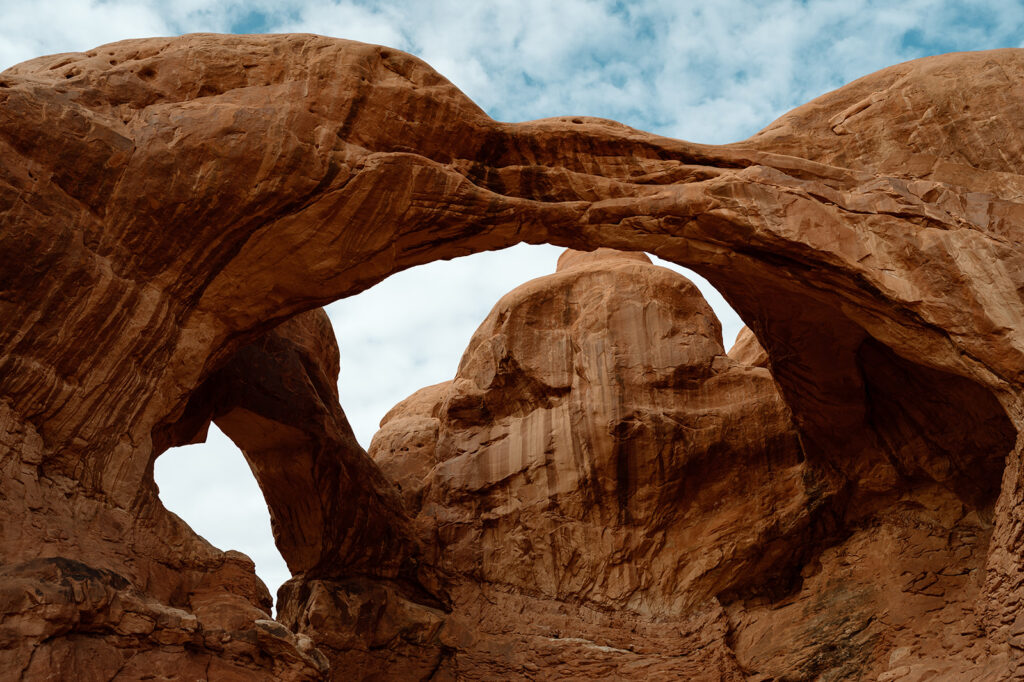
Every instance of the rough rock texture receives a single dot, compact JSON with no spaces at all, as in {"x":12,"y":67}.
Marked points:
{"x":598,"y":453}
{"x":589,"y":425}
{"x":575,"y":470}
{"x":170,"y":201}
{"x":277,"y":399}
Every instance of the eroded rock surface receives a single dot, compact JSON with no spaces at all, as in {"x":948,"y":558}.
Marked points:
{"x":592,"y":430}
{"x":599,"y":453}
{"x":576,"y":468}
{"x":172,"y":201}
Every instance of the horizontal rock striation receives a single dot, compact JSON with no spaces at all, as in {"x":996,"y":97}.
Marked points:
{"x":171,"y":202}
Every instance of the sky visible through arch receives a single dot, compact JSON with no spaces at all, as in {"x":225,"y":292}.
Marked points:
{"x":714,"y":71}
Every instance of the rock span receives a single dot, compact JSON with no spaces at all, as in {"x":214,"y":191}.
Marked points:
{"x":174,"y":208}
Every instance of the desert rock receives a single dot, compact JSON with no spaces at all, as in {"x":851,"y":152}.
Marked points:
{"x":579,"y":461}
{"x":171,"y":202}
{"x":747,"y":350}
{"x":576,"y":464}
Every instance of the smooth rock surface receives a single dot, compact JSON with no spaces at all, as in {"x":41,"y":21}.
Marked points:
{"x":747,"y":350}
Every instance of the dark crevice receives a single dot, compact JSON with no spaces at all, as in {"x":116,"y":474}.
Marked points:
{"x":935,"y":425}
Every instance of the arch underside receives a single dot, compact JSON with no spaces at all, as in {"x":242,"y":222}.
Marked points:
{"x":182,"y":206}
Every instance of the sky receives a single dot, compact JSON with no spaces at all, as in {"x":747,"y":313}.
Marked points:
{"x":715,"y":71}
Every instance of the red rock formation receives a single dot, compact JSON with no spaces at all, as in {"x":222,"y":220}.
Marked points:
{"x":747,"y":350}
{"x":277,"y":399}
{"x":170,"y":201}
{"x":576,"y":467}
{"x":599,"y":454}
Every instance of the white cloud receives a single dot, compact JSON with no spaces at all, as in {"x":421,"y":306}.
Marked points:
{"x":345,"y":20}
{"x":709,"y":72}
{"x":30,"y":30}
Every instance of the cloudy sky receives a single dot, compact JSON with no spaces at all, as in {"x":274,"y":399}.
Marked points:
{"x":714,"y":71}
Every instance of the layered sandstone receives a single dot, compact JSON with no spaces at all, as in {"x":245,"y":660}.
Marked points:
{"x":575,"y":469}
{"x":583,"y":449}
{"x":611,"y":493}
{"x":170,"y":202}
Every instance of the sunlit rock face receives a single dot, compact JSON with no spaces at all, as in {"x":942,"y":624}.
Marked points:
{"x":170,"y":203}
{"x":586,"y":443}
{"x":578,"y":463}
{"x":599,"y":453}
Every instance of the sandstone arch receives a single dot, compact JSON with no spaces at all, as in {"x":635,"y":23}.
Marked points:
{"x":170,"y":201}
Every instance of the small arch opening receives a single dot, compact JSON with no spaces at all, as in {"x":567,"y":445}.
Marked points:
{"x":211,"y":487}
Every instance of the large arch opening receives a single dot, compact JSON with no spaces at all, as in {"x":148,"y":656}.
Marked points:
{"x":410,"y":330}
{"x":422,"y":318}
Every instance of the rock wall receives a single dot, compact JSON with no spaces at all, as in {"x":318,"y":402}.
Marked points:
{"x":610,"y":494}
{"x":575,"y":472}
{"x":172,"y":201}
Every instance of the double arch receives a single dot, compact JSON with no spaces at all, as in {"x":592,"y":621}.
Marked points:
{"x":222,"y":187}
